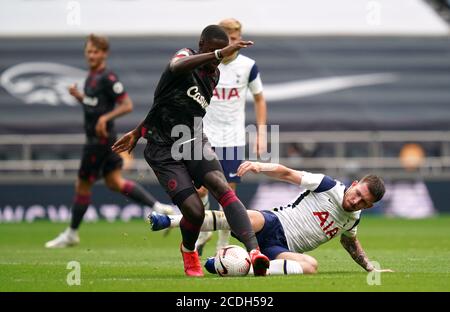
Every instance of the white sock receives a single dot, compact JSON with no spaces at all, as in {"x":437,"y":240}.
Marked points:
{"x":203,"y":237}
{"x":283,"y":267}
{"x":224,"y":237}
{"x":71,"y":231}
{"x":175,"y":220}
{"x":214,"y":220}
{"x":205,"y":201}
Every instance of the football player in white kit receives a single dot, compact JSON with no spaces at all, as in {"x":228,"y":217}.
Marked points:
{"x":325,"y":209}
{"x":224,"y":122}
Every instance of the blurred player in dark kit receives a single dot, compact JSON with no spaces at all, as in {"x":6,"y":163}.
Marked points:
{"x":102,"y":91}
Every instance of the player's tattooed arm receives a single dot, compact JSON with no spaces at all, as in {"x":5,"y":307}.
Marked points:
{"x":354,"y":248}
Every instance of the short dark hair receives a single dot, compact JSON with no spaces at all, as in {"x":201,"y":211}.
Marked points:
{"x":214,"y":32}
{"x":375,"y":185}
{"x":100,"y":42}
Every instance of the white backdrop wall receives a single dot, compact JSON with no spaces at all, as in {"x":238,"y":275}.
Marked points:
{"x":188,"y":17}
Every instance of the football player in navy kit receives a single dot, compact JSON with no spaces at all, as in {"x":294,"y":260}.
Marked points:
{"x":184,"y":90}
{"x":102,"y":91}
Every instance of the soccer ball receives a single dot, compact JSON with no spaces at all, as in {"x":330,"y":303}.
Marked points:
{"x":232,"y":260}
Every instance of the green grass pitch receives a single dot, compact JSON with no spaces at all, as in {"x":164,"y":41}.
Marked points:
{"x":129,"y":257}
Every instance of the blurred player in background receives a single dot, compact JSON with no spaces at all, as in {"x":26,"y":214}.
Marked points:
{"x":102,"y":91}
{"x":224,"y":122}
{"x":326,"y":209}
{"x":183,"y":92}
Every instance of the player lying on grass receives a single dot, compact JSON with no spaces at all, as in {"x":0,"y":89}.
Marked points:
{"x":324,"y":210}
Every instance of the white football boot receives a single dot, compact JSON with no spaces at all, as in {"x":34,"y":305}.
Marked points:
{"x":68,"y":238}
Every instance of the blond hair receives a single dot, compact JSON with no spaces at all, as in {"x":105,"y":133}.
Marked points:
{"x":231,"y":25}
{"x":100,"y":42}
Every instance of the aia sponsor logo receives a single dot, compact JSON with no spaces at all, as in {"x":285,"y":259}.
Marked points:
{"x":326,"y":226}
{"x":42,"y":82}
{"x":225,"y":94}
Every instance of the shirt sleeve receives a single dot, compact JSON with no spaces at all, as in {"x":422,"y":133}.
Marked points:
{"x":115,"y":88}
{"x":181,"y":53}
{"x":317,"y":182}
{"x":254,"y":81}
{"x":352,"y":232}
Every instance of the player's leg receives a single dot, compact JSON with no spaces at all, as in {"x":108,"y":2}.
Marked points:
{"x":208,"y":172}
{"x":204,"y":236}
{"x":112,"y":172}
{"x":177,"y":182}
{"x":224,"y":235}
{"x":214,"y":221}
{"x":237,"y":218}
{"x":193,"y":214}
{"x":231,"y":160}
{"x":87,"y":175}
{"x":80,"y":205}
{"x":293,"y":263}
{"x":273,"y":243}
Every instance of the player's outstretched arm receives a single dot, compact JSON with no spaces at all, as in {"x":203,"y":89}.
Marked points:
{"x":275,"y":171}
{"x":354,"y":248}
{"x":181,"y":64}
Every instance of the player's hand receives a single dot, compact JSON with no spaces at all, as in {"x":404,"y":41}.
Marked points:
{"x":127,"y":142}
{"x":248,"y":166}
{"x":73,"y":91}
{"x":232,"y":48}
{"x":100,"y":127}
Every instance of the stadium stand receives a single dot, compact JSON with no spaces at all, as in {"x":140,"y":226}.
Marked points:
{"x":347,"y":92}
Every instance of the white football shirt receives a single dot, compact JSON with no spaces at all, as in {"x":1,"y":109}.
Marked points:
{"x":316,"y":215}
{"x":224,"y":122}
